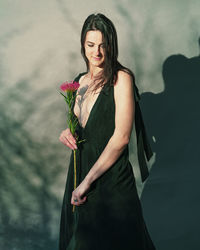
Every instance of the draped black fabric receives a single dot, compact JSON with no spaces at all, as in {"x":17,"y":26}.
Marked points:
{"x":111,"y":217}
{"x":143,"y":145}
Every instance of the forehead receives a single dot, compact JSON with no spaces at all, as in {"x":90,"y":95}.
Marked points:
{"x":94,"y":36}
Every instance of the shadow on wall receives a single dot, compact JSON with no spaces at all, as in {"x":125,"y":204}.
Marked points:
{"x":170,"y":198}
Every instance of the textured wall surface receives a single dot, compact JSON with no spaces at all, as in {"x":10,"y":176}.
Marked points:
{"x":39,"y":49}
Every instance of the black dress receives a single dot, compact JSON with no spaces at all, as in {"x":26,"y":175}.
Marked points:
{"x":111,"y":217}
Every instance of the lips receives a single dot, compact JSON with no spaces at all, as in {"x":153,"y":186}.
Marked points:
{"x":97,"y":58}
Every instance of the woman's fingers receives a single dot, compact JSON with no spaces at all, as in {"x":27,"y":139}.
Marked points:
{"x":78,"y":202}
{"x":67,"y":139}
{"x":82,"y":201}
{"x":67,"y":143}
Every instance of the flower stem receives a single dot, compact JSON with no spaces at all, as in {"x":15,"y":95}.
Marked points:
{"x":74,"y":174}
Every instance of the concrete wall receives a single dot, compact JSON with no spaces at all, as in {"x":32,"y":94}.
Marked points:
{"x":40,"y":49}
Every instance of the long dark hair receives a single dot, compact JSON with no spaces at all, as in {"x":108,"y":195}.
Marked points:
{"x":109,"y":35}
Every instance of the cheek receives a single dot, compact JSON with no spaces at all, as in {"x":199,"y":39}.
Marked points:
{"x":88,"y":52}
{"x":103,"y":52}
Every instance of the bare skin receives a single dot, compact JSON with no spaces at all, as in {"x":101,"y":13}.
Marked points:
{"x":85,"y":100}
{"x":124,"y":115}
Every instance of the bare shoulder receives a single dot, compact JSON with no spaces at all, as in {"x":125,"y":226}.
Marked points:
{"x":83,"y":79}
{"x":123,"y":79}
{"x":123,"y":84}
{"x":124,"y":103}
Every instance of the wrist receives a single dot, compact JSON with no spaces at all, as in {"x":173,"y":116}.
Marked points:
{"x":88,"y":180}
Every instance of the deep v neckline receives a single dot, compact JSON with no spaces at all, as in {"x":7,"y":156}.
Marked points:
{"x":93,"y":106}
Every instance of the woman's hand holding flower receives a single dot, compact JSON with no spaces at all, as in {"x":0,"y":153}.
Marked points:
{"x":68,"y":139}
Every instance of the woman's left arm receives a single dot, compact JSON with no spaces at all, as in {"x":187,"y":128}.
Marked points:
{"x":124,"y":115}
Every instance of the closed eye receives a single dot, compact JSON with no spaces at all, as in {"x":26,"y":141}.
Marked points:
{"x":91,"y":45}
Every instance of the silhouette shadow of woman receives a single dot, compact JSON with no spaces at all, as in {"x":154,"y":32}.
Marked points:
{"x":171,"y":194}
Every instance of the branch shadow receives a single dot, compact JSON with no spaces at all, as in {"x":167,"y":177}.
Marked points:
{"x":29,"y":206}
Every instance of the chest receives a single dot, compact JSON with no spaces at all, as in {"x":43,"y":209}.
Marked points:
{"x":84,"y":102}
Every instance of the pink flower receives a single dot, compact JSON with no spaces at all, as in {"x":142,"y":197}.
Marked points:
{"x":69,"y":86}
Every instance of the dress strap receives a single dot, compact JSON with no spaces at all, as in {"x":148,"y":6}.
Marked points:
{"x":79,"y":76}
{"x":143,"y":145}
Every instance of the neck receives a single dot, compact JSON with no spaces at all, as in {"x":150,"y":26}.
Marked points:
{"x":93,"y":71}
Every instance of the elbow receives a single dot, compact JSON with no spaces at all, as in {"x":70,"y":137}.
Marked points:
{"x":126,"y":140}
{"x":121,"y":142}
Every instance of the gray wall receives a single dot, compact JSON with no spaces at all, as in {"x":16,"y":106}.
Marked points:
{"x":40,"y":49}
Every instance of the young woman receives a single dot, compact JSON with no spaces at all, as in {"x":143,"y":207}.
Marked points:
{"x":108,"y":213}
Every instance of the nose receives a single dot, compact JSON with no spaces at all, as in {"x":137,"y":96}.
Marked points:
{"x":97,"y":50}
